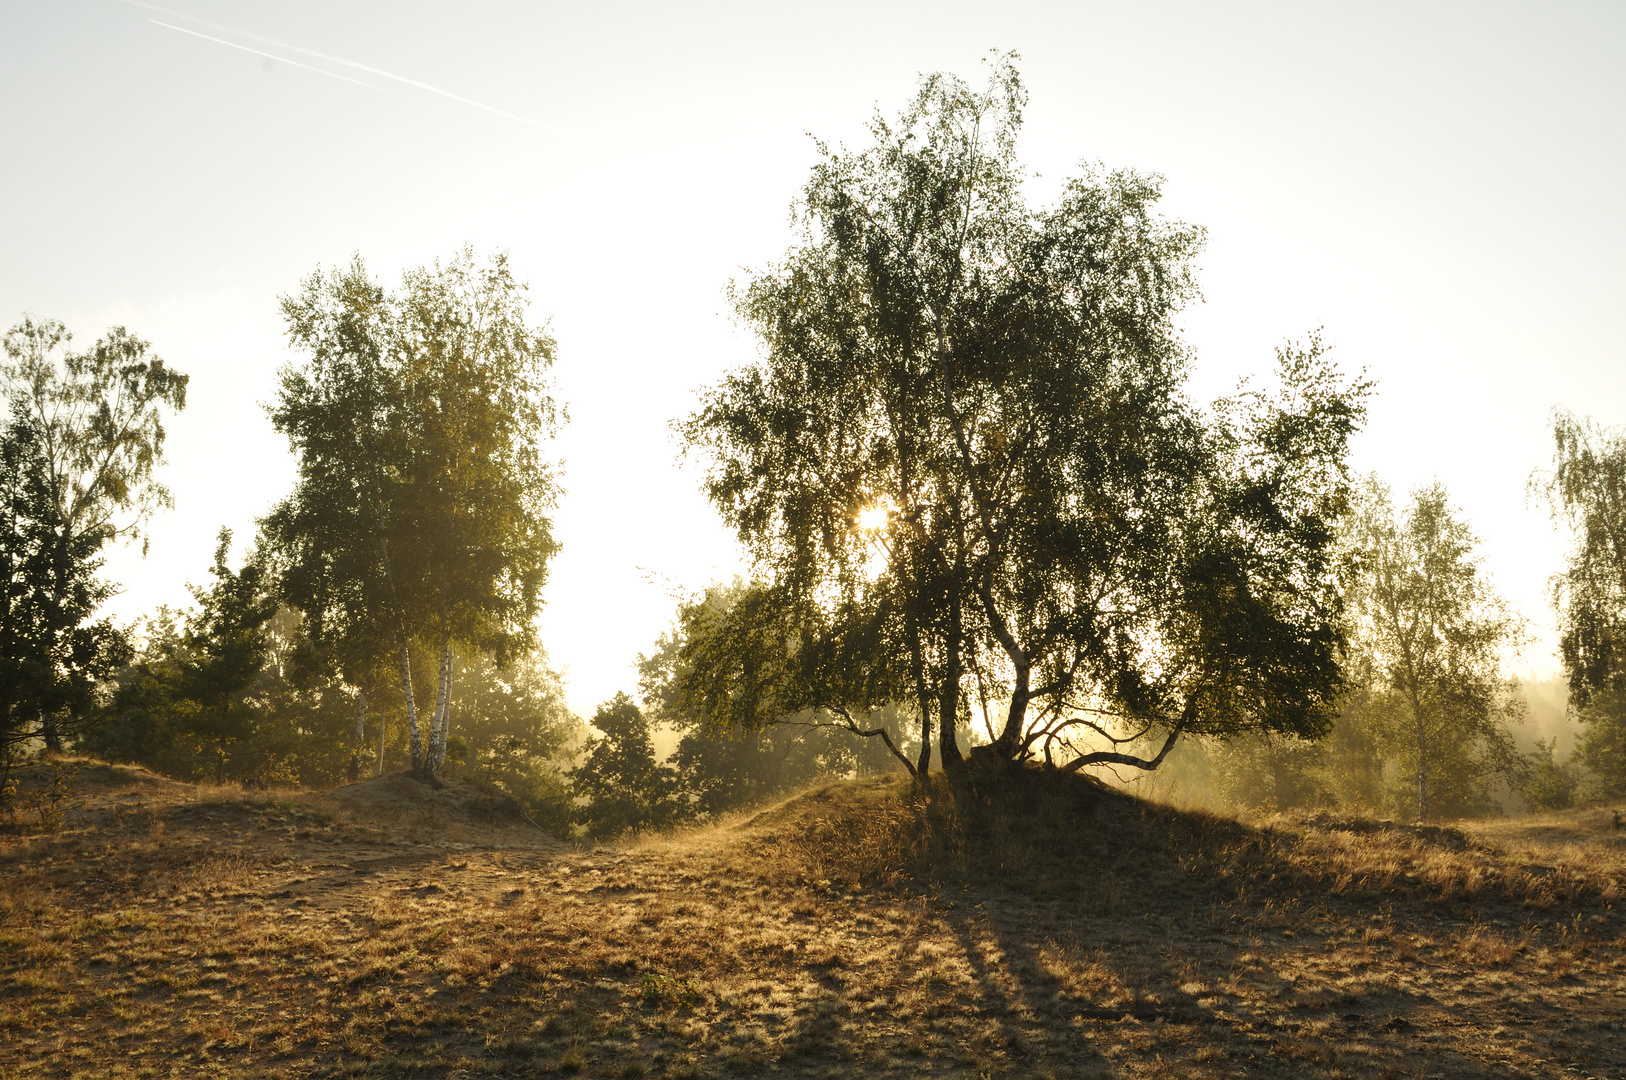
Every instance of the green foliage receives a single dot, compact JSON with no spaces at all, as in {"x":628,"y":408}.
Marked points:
{"x":625,"y":788}
{"x":142,"y":721}
{"x":1549,"y":785}
{"x":519,"y":735}
{"x":1261,"y":772}
{"x":1587,"y":492}
{"x":662,"y":991}
{"x":712,"y":661}
{"x":82,"y":440}
{"x":226,"y":646}
{"x":1602,"y":745}
{"x":967,"y":469}
{"x":419,"y":520}
{"x":293,"y":723}
{"x":1428,"y":638}
{"x":51,"y":655}
{"x":219,"y":691}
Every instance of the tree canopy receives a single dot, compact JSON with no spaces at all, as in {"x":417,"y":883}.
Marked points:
{"x":84,"y":436}
{"x":969,"y":475}
{"x":1586,"y":491}
{"x":420,"y":516}
{"x":1430,"y":633}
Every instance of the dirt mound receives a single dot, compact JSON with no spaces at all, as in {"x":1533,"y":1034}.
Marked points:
{"x":401,"y":797}
{"x":89,"y":777}
{"x":1030,"y":829}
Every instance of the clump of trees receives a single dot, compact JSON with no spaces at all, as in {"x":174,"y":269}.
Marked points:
{"x":82,"y":439}
{"x":1429,"y":638}
{"x":417,"y":536}
{"x":419,"y":522}
{"x":1424,"y":723}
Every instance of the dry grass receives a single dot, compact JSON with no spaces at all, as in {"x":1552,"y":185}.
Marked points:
{"x":1029,"y":926}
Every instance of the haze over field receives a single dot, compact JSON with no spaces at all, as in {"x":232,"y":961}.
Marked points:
{"x":1437,"y":190}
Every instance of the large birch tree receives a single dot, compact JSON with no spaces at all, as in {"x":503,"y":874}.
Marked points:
{"x":973,"y":483}
{"x":420,"y":518}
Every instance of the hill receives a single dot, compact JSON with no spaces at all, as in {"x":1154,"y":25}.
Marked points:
{"x":1035,"y":925}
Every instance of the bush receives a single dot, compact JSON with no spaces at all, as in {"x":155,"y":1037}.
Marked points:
{"x":1549,"y":785}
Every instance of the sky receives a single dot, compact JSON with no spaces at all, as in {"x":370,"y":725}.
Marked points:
{"x":1436,"y":186}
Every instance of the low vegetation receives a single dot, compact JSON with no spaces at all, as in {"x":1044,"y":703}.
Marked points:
{"x":1027,"y":925}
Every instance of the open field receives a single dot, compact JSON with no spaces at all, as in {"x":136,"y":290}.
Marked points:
{"x":1048,"y":928}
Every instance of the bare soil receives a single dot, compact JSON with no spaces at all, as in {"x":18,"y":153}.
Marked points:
{"x":1021,"y":925}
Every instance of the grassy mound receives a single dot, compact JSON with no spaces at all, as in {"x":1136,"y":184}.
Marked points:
{"x":1054,"y":836}
{"x":400,"y":795}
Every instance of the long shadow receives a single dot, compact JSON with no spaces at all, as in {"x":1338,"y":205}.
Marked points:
{"x":1173,"y":906}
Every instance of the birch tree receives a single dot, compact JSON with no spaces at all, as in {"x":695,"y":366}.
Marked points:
{"x":87,"y":438}
{"x":1432,"y":632}
{"x":1586,"y":491}
{"x":969,"y":473}
{"x":420,"y":516}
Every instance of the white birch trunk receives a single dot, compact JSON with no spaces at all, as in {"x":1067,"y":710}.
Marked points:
{"x":438,"y":727}
{"x":411,"y":709}
{"x":361,"y":716}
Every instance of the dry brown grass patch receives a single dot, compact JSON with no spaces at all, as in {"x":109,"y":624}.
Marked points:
{"x":1024,"y":925}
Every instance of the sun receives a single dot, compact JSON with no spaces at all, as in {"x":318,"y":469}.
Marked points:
{"x":873,"y":518}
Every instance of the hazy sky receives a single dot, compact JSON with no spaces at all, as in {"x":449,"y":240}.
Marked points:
{"x":1436,"y":185}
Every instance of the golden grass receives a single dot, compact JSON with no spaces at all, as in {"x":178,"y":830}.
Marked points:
{"x":1025,"y":925}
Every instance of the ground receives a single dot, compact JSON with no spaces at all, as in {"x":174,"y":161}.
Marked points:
{"x":1020,"y":925}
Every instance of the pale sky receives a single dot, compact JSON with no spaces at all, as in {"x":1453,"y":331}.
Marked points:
{"x":1438,"y":186}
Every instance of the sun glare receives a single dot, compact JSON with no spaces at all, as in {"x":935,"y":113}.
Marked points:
{"x":873,"y":519}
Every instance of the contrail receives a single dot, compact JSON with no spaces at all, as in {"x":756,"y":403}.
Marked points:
{"x":459,"y":98}
{"x":257,"y":52}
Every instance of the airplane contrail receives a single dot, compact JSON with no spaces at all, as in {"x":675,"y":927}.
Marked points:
{"x":459,"y":98}
{"x":257,"y":52}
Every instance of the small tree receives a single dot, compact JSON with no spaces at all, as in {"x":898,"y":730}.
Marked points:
{"x":1549,"y":785}
{"x":84,"y":439}
{"x":1587,"y":492}
{"x":729,"y":759}
{"x":1432,"y":632}
{"x":625,"y":787}
{"x":227,"y":644}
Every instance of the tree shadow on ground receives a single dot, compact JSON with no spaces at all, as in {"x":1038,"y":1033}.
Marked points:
{"x":1100,"y":933}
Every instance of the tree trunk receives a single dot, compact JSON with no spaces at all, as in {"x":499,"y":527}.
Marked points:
{"x":443,"y":700}
{"x":1422,"y":772}
{"x":948,"y":708}
{"x":1422,"y":742}
{"x":361,"y":716}
{"x":1010,"y":736}
{"x":1015,"y":717}
{"x":923,"y":697}
{"x":411,"y":708}
{"x":49,"y":732}
{"x":380,"y":768}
